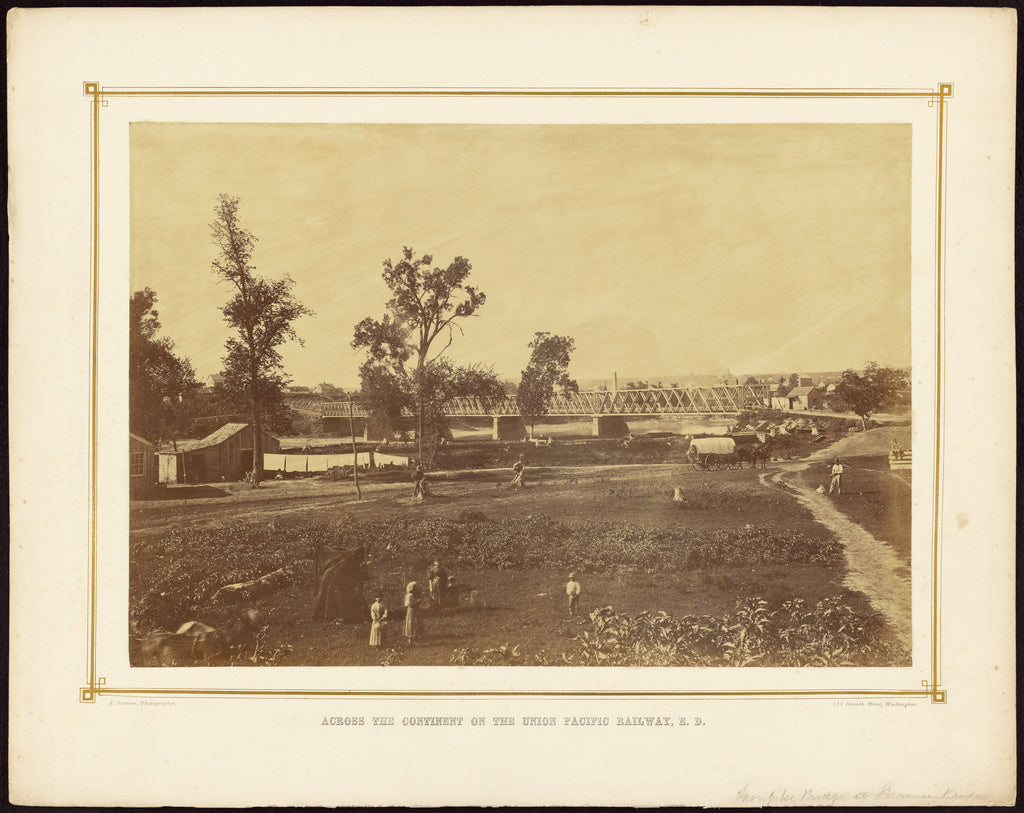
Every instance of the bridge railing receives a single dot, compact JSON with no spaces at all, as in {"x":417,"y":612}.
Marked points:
{"x":661,"y":401}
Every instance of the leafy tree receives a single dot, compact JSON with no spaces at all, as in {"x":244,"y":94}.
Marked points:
{"x":161,"y":385}
{"x":864,"y":394}
{"x":383,"y":395}
{"x":547,"y":369}
{"x":262,"y":312}
{"x":235,"y":394}
{"x":751,"y":381}
{"x":403,"y":367}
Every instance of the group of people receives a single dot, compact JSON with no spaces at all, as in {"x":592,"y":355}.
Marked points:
{"x":419,"y":479}
{"x":440,"y":588}
{"x":441,"y":591}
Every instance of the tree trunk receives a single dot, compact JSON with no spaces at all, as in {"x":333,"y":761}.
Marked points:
{"x":257,"y":431}
{"x":419,"y":405}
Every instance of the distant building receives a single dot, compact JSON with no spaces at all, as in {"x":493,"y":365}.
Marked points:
{"x":141,"y":465}
{"x":324,"y":388}
{"x":223,"y":455}
{"x":299,"y":391}
{"x":211,"y":382}
{"x":805,"y":398}
{"x":804,"y":381}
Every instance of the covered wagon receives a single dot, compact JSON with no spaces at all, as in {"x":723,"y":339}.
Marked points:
{"x":708,"y":454}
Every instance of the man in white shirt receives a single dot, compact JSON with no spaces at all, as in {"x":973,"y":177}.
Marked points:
{"x":572,"y":590}
{"x":837,"y":476}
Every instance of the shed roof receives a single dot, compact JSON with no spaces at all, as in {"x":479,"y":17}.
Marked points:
{"x":798,"y":391}
{"x":213,"y":439}
{"x":140,"y":439}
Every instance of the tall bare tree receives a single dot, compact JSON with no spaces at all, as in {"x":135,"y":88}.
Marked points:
{"x":262,"y":312}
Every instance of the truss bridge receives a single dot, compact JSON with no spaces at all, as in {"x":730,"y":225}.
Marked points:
{"x":608,"y":409}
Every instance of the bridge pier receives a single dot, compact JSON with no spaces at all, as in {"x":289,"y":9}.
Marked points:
{"x":508,"y":427}
{"x":610,"y":426}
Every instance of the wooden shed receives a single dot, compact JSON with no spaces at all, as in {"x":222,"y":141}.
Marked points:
{"x":805,"y":398}
{"x":223,"y":455}
{"x":141,"y":465}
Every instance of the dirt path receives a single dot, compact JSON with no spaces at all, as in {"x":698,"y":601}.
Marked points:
{"x":872,"y":567}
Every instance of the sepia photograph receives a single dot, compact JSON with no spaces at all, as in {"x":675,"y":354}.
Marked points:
{"x":520,"y":395}
{"x":476,"y":384}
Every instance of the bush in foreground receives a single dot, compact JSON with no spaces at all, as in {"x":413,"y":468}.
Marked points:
{"x":829,"y":634}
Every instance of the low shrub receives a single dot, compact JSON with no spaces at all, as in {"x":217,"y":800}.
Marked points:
{"x":829,"y":634}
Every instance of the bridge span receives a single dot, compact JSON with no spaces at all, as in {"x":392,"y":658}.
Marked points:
{"x":608,"y":409}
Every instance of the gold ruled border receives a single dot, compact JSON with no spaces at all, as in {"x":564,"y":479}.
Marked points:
{"x":930,"y":689}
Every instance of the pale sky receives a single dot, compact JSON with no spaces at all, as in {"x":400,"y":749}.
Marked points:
{"x":661,"y":249}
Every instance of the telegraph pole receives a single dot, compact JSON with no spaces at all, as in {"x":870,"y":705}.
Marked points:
{"x":355,"y":456}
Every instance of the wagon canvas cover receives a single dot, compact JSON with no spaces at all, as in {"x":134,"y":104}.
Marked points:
{"x":712,"y":446}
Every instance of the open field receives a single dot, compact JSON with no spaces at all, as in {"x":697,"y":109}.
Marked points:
{"x":738,"y":536}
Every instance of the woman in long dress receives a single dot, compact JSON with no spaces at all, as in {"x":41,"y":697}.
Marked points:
{"x":378,"y":623}
{"x":412,"y":612}
{"x":438,"y":581}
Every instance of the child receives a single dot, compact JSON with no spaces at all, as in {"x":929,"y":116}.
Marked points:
{"x":413,"y":621}
{"x":572,"y":590}
{"x":378,"y":622}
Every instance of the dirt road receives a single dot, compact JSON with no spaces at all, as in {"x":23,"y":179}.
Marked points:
{"x":873,"y":567}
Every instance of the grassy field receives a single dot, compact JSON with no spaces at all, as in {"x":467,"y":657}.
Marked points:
{"x":875,"y":498}
{"x":735,"y":539}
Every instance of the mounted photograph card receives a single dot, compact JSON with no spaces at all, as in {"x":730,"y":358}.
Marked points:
{"x":501,"y":405}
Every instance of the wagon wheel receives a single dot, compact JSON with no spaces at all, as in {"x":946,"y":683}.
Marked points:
{"x":695,"y":462}
{"x":711,"y":462}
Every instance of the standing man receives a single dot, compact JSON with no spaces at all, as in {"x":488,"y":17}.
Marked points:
{"x":417,"y":482}
{"x":518,"y":470}
{"x":572,"y":590}
{"x":837,"y":478}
